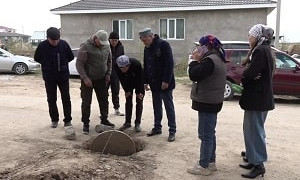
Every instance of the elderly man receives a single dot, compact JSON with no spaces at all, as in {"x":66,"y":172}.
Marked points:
{"x":94,"y":64}
{"x":159,"y":74}
{"x":54,"y":55}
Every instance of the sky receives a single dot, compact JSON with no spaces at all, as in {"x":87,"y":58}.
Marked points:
{"x":27,"y":16}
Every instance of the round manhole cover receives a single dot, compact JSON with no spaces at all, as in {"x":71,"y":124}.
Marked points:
{"x":114,"y":142}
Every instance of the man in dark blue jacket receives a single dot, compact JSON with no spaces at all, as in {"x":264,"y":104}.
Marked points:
{"x":54,"y":55}
{"x":159,"y":74}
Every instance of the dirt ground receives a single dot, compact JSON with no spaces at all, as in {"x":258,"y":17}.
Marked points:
{"x":30,"y":149}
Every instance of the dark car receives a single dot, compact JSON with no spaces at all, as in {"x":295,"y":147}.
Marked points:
{"x":286,"y":80}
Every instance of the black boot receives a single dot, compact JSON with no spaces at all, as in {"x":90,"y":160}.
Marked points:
{"x":256,"y":171}
{"x":247,"y":166}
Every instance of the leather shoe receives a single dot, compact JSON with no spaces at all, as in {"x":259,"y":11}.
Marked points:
{"x":154,"y":131}
{"x":107,"y":123}
{"x":171,"y":137}
{"x":256,"y":171}
{"x":54,"y":124}
{"x":247,"y":166}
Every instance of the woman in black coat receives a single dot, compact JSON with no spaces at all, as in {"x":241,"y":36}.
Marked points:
{"x":257,"y":98}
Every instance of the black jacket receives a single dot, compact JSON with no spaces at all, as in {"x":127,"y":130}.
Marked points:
{"x":159,"y":64}
{"x":54,"y":60}
{"x":117,"y":52}
{"x":257,"y":94}
{"x":133,"y":78}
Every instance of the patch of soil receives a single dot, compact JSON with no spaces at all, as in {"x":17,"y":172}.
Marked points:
{"x":62,"y":163}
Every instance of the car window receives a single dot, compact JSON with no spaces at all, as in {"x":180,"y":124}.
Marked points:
{"x":227,"y":46}
{"x":235,"y":57}
{"x":284,"y":62}
{"x":236,"y":46}
{"x":1,"y":53}
{"x":240,"y":46}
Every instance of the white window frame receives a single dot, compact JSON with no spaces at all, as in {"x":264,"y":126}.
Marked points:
{"x":126,"y":35}
{"x":175,"y":28}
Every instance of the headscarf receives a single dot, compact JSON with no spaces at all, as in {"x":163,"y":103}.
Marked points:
{"x":262,"y":33}
{"x":214,"y":43}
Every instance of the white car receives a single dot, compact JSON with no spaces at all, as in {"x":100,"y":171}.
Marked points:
{"x":17,"y":64}
{"x":72,"y":64}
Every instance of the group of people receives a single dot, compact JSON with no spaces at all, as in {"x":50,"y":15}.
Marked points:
{"x":101,"y":62}
{"x":208,"y":73}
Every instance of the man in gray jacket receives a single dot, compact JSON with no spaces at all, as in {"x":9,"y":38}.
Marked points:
{"x":94,"y":64}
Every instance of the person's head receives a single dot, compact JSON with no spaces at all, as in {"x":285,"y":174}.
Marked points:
{"x":114,"y":39}
{"x":53,"y":36}
{"x":123,"y":63}
{"x":101,"y":38}
{"x":259,"y":31}
{"x":213,"y":45}
{"x":146,"y":36}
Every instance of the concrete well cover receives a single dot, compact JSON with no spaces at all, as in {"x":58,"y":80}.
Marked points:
{"x":114,"y":142}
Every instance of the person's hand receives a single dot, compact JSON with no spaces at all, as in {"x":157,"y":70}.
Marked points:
{"x":164,"y":86}
{"x":140,"y":96}
{"x":88,"y":82}
{"x":196,"y":55}
{"x":146,"y":87}
{"x":107,"y":79}
{"x":128,"y":94}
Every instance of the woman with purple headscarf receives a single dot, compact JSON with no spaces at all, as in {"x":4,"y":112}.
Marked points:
{"x":208,"y":73}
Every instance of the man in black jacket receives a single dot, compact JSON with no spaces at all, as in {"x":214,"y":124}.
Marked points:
{"x":130,"y":73}
{"x":117,"y":50}
{"x":159,"y":74}
{"x":54,"y":55}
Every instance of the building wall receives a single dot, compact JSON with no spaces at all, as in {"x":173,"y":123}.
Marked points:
{"x":225,"y":24}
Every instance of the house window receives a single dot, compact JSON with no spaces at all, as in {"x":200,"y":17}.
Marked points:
{"x":124,"y":28}
{"x":172,"y":28}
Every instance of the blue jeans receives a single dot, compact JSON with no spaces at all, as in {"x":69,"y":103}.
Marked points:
{"x":207,"y":134}
{"x":254,"y":136}
{"x":167,"y":97}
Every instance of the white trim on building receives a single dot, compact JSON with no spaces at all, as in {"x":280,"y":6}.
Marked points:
{"x":196,"y":8}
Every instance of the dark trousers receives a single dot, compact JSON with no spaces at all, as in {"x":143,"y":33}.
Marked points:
{"x":51,"y":90}
{"x":115,"y":89}
{"x":167,"y":97}
{"x":100,"y":88}
{"x":139,"y":110}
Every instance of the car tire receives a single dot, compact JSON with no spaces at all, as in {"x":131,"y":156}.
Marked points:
{"x":20,"y":68}
{"x":228,"y":92}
